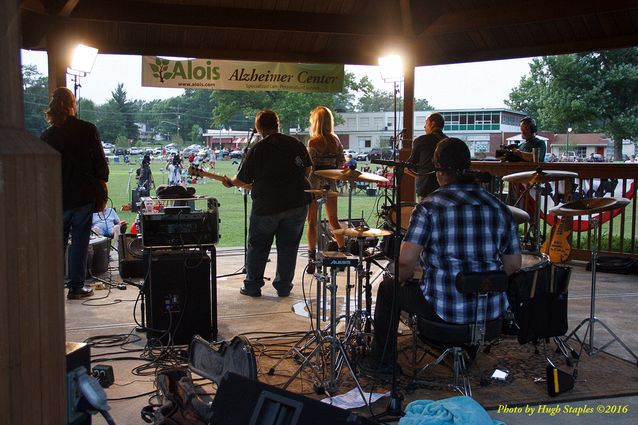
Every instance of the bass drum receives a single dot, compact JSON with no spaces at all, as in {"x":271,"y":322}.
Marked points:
{"x":537,"y":295}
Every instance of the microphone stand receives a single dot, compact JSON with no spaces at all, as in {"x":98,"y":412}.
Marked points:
{"x":251,"y":134}
{"x":394,"y":405}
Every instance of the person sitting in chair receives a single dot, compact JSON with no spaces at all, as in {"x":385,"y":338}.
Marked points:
{"x":459,"y":227}
{"x":107,"y":223}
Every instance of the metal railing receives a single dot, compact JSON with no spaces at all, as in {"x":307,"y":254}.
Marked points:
{"x":618,"y":233}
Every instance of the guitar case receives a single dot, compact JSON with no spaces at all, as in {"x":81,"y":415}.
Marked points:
{"x":181,"y":404}
{"x":614,"y":264}
{"x":236,"y":356}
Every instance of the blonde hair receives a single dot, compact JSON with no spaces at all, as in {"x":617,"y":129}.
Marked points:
{"x":322,"y":127}
{"x":61,"y":106}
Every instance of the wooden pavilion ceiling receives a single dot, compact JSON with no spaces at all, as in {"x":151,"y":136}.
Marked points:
{"x":334,"y":31}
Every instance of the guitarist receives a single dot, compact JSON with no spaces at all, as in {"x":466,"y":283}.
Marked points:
{"x":84,"y":176}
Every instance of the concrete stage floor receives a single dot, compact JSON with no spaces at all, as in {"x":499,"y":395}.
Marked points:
{"x":111,"y":312}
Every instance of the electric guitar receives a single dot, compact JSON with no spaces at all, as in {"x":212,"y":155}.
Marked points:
{"x":198,"y":172}
{"x":557,"y":246}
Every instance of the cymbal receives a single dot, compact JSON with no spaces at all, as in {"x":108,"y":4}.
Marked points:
{"x":351,"y":175}
{"x":520,"y":216}
{"x":539,"y":176}
{"x":362,"y":232}
{"x":323,"y":192}
{"x":589,"y":206}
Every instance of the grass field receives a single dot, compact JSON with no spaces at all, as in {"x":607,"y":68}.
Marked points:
{"x":231,"y":210}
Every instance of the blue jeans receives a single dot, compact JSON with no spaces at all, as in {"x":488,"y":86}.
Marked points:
{"x":287,"y":228}
{"x":77,"y":221}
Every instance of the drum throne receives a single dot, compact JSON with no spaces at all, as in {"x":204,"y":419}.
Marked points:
{"x":461,"y":342}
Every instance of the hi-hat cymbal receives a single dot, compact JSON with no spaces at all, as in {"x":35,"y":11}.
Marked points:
{"x":520,"y":216}
{"x":539,"y":176}
{"x":362,"y":232}
{"x":589,"y":206}
{"x":323,"y":192}
{"x":351,"y":175}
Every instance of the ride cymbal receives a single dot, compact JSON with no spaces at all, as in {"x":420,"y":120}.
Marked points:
{"x":362,"y":232}
{"x":539,"y":176}
{"x":589,"y":206}
{"x":351,"y":175}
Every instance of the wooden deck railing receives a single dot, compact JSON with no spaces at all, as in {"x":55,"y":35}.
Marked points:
{"x":618,"y":235}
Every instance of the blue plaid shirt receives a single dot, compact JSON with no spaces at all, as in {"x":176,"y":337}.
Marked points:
{"x":462,"y":228}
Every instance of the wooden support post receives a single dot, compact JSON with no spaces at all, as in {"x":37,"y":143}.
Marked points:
{"x":32,"y":349}
{"x":408,"y":189}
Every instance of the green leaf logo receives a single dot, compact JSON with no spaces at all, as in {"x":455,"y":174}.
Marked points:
{"x":160,"y":68}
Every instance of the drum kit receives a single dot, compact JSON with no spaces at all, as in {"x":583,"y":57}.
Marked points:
{"x":323,"y":350}
{"x":537,"y":264}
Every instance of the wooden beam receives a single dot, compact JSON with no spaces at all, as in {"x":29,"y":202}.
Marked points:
{"x":487,"y":15}
{"x":60,"y":8}
{"x":362,"y":22}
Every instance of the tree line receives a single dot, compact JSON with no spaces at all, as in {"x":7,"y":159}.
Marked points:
{"x":182,"y":119}
{"x":588,"y":92}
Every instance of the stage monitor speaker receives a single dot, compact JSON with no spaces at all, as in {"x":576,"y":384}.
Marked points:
{"x":97,"y":258}
{"x":177,"y":290}
{"x":131,"y":259}
{"x":242,"y":401}
{"x":135,"y":200}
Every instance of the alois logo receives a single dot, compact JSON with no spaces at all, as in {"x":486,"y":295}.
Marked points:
{"x":165,"y":69}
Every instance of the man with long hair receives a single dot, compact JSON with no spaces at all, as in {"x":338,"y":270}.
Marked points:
{"x":84,"y":172}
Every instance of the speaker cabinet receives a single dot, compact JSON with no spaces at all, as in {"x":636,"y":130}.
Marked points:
{"x":131,"y":260}
{"x":177,"y":290}
{"x":242,"y":401}
{"x":135,"y":200}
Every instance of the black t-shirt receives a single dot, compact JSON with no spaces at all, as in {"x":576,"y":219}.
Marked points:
{"x":423,"y":149}
{"x":276,"y":167}
{"x":83,"y":161}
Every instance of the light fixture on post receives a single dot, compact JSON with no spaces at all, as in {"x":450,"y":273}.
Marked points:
{"x":81,"y":64}
{"x":569,"y":130}
{"x":391,"y":68}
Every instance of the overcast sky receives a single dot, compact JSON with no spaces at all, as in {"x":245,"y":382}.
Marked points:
{"x":463,"y":86}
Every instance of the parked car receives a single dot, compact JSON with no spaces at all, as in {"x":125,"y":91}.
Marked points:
{"x":135,"y":150}
{"x":361,"y":156}
{"x":380,"y":153}
{"x":236,"y":153}
{"x":347,"y":152}
{"x":121,"y":151}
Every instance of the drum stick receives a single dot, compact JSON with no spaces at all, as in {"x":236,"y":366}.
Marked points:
{"x":534,"y":279}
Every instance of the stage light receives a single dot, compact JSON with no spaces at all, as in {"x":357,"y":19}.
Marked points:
{"x":391,"y":68}
{"x":83,"y":60}
{"x":81,"y":65}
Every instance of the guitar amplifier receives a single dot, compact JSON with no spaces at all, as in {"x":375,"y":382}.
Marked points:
{"x":186,"y":230}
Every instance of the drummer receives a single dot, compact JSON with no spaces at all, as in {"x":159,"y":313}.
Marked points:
{"x":326,"y":152}
{"x":458,"y":228}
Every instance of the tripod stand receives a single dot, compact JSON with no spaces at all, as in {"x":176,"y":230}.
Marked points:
{"x":582,"y":208}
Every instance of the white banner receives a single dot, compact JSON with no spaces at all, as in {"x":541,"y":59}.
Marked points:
{"x":240,"y":75}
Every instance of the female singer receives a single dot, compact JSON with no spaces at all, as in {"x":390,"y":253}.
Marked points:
{"x":326,"y":152}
